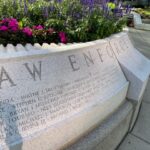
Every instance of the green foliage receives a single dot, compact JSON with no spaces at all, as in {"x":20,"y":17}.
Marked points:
{"x":135,"y":4}
{"x":55,"y":23}
{"x":70,"y":16}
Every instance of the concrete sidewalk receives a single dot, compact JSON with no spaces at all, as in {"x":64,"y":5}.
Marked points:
{"x":139,"y":138}
{"x":141,"y":40}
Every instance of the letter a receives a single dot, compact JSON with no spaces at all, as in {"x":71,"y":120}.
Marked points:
{"x":5,"y":77}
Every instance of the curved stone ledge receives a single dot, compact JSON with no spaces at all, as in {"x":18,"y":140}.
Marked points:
{"x":51,"y":99}
{"x":52,"y":95}
{"x":11,"y":51}
{"x":135,"y":66}
{"x":109,"y":134}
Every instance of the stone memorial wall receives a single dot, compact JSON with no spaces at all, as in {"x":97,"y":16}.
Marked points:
{"x":52,"y":95}
{"x":48,"y":99}
{"x":135,"y":66}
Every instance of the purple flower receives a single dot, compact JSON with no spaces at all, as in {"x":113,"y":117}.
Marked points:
{"x":32,"y":1}
{"x":3,"y":28}
{"x":128,"y":9}
{"x":45,"y":11}
{"x":52,"y":8}
{"x":39,"y":27}
{"x":27,"y":31}
{"x":25,"y":7}
{"x":63,"y":37}
{"x":118,"y":12}
{"x":59,"y":1}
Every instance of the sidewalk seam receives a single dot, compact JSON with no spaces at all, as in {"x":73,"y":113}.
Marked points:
{"x":146,"y":102}
{"x":140,"y":138}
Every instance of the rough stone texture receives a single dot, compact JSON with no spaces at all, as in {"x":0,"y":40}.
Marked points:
{"x":143,"y":26}
{"x":133,"y":143}
{"x":142,"y":126}
{"x":135,"y":66}
{"x":135,"y":113}
{"x":136,"y":140}
{"x":146,"y":97}
{"x":88,"y":63}
{"x":109,"y":134}
{"x":48,"y":100}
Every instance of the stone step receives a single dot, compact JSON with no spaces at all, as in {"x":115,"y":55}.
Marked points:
{"x":109,"y":134}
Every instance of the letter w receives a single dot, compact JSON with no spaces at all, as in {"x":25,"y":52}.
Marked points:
{"x":35,"y":70}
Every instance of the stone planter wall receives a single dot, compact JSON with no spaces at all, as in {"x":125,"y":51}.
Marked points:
{"x":53,"y":96}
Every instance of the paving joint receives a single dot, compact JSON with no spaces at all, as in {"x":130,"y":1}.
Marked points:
{"x":140,"y":138}
{"x":146,"y":102}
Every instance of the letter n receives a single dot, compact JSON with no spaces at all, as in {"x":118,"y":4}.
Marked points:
{"x":88,"y":58}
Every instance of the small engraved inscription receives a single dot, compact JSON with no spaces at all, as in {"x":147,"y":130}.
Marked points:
{"x":85,"y":79}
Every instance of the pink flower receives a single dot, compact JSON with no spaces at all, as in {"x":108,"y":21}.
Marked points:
{"x":27,"y":31}
{"x":50,"y":30}
{"x":63,"y":37}
{"x":10,"y":23}
{"x":3,"y":28}
{"x":14,"y":29}
{"x":39,"y":27}
{"x":13,"y":24}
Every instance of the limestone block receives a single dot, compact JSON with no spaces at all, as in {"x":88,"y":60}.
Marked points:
{"x":135,"y":66}
{"x":48,"y":100}
{"x":109,"y":134}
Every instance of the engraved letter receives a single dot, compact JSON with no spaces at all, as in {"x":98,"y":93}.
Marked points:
{"x":35,"y":70}
{"x":5,"y":77}
{"x":109,"y":51}
{"x":100,"y":54}
{"x":73,"y":62}
{"x":117,"y":49}
{"x":88,"y":58}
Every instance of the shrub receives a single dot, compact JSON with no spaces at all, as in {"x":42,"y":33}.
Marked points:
{"x":136,"y":4}
{"x":145,"y":13}
{"x":62,"y":21}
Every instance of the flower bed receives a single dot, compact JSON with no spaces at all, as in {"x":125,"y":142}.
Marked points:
{"x":55,"y":21}
{"x":11,"y":31}
{"x":145,"y":13}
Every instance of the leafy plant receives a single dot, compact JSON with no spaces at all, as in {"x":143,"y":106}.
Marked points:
{"x":61,"y":21}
